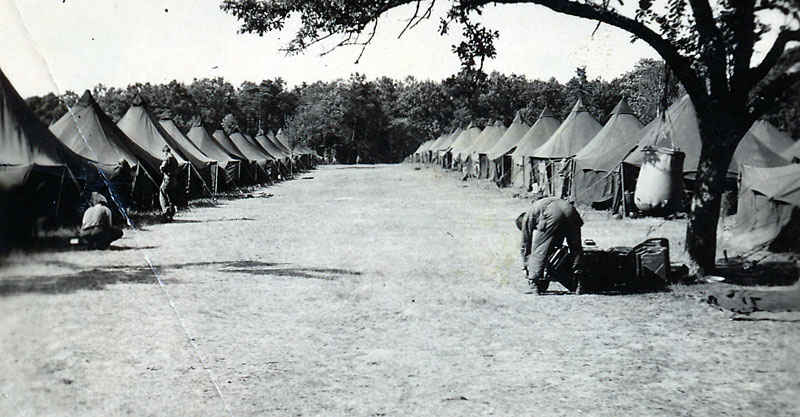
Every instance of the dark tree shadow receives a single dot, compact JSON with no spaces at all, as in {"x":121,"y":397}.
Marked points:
{"x":92,"y":279}
{"x":100,"y":277}
{"x":124,"y":248}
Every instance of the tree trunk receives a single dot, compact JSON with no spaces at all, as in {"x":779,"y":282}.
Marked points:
{"x":720,"y":135}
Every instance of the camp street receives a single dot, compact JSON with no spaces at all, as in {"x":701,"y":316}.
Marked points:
{"x":368,"y":290}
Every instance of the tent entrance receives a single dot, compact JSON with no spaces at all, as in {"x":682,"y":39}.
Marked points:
{"x":503,"y":176}
{"x":483,"y":161}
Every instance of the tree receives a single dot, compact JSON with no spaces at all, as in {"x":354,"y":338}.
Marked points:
{"x":643,"y":87}
{"x":709,"y":48}
{"x":215,"y":98}
{"x":47,"y":108}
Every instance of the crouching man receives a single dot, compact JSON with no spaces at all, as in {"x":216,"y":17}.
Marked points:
{"x":544,"y":227}
{"x":96,"y":228}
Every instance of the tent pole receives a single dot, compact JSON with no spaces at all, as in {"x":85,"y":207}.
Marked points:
{"x":622,"y":185}
{"x":135,"y":177}
{"x":60,"y":188}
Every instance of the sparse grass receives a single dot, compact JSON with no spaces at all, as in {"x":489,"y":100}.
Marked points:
{"x":382,"y":291}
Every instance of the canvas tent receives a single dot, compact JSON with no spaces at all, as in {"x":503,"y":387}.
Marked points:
{"x":251,"y":172}
{"x":758,"y":150}
{"x":417,"y":154}
{"x":270,"y":147}
{"x":551,"y":165}
{"x":595,"y":167}
{"x":229,"y":165}
{"x":792,"y":153}
{"x":253,"y":154}
{"x":536,"y":136}
{"x":41,"y":179}
{"x":283,"y":162}
{"x":442,"y":154}
{"x":768,"y":212}
{"x":89,"y":132}
{"x":773,"y":138}
{"x":139,"y":125}
{"x":205,"y":166}
{"x":464,"y":141}
{"x":478,"y":161}
{"x":433,"y":150}
{"x":427,"y":154}
{"x":284,"y":141}
{"x":424,"y":149}
{"x":499,"y":155}
{"x":682,"y":130}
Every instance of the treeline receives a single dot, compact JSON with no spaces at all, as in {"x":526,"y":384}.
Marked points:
{"x":384,"y":120}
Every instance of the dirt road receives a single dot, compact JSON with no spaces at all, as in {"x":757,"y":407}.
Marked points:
{"x":366,"y":291}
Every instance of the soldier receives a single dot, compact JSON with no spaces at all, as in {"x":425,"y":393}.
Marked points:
{"x":96,"y":227}
{"x":545,"y":226}
{"x":168,"y":170}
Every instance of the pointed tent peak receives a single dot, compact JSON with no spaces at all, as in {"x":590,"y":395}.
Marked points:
{"x":196,"y":121}
{"x":622,"y":108}
{"x":469,"y":126}
{"x":517,"y":118}
{"x":86,"y":99}
{"x":165,"y":115}
{"x":138,"y":101}
{"x":499,"y":123}
{"x":579,"y":107}
{"x":546,"y":113}
{"x":260,"y":132}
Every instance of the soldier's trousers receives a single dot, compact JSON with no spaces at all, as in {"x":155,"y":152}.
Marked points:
{"x":557,"y":224}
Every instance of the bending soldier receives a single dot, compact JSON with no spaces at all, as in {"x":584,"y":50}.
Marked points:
{"x":544,"y":227}
{"x":96,"y":227}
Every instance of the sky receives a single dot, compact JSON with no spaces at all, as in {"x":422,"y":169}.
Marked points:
{"x":48,"y":45}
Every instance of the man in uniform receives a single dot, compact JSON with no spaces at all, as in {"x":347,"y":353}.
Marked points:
{"x":544,"y":227}
{"x":168,"y":169}
{"x":96,"y":228}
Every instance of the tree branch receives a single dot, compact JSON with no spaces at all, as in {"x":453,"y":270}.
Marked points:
{"x":758,"y":73}
{"x":712,"y":46}
{"x":679,"y":64}
{"x":744,"y":32}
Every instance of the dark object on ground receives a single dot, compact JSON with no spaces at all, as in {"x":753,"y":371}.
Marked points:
{"x":746,"y":301}
{"x":645,"y":267}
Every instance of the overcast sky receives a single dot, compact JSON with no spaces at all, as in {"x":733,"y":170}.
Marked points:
{"x":52,"y":45}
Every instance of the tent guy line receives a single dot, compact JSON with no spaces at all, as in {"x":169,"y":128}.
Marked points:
{"x":188,"y":335}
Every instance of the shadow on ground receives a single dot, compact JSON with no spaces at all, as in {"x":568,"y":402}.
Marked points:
{"x":99,"y":278}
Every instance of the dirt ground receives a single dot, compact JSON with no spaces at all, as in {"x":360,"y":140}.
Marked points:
{"x":369,"y":291}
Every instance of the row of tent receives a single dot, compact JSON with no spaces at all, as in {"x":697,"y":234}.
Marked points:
{"x":47,"y":174}
{"x":592,"y":164}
